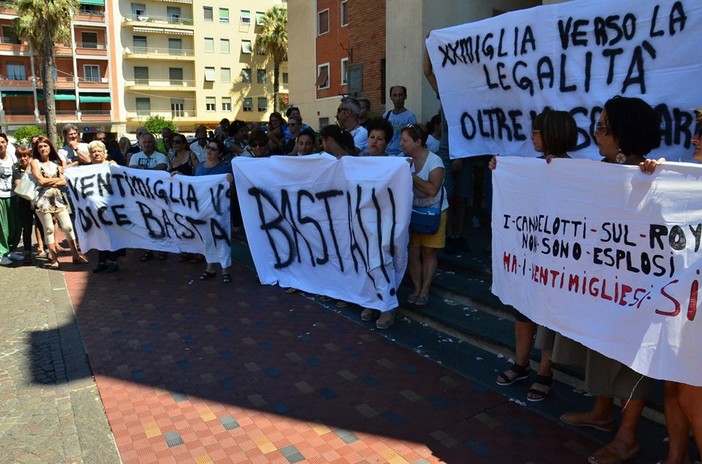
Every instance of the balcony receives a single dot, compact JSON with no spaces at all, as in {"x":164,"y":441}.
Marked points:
{"x":160,"y":53}
{"x":174,"y":25}
{"x":89,"y":17}
{"x":170,"y":85}
{"x":187,"y":2}
{"x":16,"y":83}
{"x":9,"y":46}
{"x":67,"y":82}
{"x":92,"y":49}
{"x":182,"y":116}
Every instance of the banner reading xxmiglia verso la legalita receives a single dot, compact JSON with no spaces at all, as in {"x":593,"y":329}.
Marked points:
{"x":117,"y":207}
{"x":337,"y":227}
{"x":495,"y":75}
{"x":605,"y":255}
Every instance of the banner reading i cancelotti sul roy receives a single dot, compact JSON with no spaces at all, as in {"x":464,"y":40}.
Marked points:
{"x":328,"y":226}
{"x":495,"y":75}
{"x":117,"y":207}
{"x":605,"y":255}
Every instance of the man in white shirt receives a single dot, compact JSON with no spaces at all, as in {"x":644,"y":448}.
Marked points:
{"x":199,"y":146}
{"x":148,"y":157}
{"x":347,"y":117}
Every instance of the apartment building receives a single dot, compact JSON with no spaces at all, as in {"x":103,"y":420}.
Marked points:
{"x":363,"y":47}
{"x":82,"y":72}
{"x":192,"y":61}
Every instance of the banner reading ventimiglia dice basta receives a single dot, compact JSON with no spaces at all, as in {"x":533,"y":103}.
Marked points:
{"x":495,"y":75}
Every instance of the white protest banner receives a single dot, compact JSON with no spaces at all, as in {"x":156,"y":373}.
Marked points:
{"x":605,"y":255}
{"x":117,"y":207}
{"x":495,"y":75}
{"x":334,"y":227}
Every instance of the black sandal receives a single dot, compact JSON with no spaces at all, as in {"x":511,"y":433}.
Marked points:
{"x":148,"y":256}
{"x":226,"y":278}
{"x":522,"y":372}
{"x":207,"y":275}
{"x":534,"y":394}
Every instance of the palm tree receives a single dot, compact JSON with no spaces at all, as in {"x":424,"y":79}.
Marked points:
{"x":273,"y":39}
{"x":43,"y":22}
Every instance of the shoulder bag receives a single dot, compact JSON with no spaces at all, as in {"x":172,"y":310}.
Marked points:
{"x":27,"y":187}
{"x":426,"y":219}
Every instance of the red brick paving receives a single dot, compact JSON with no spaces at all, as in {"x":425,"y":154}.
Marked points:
{"x":245,"y":373}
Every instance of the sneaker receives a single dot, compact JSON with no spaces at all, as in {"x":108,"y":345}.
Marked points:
{"x":368,"y":314}
{"x":5,"y":261}
{"x":386,"y":320}
{"x":475,"y":222}
{"x":16,"y":256}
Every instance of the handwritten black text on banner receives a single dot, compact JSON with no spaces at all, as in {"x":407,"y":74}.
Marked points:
{"x":495,"y":75}
{"x":328,"y":226}
{"x":606,"y":255}
{"x":118,"y":207}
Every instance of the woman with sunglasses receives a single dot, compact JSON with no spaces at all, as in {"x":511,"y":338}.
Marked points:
{"x":184,"y":161}
{"x":258,"y":145}
{"x":215,"y":164}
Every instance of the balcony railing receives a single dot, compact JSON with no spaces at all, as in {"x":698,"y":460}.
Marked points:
{"x":91,"y":45}
{"x":165,"y":52}
{"x":155,"y":20}
{"x":179,"y":114}
{"x":165,"y":84}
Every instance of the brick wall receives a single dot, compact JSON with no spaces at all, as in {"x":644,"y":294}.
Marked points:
{"x":367,"y":45}
{"x":332,"y":48}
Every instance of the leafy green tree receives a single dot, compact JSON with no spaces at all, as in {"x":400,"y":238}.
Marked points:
{"x":23,"y":135}
{"x":155,"y":124}
{"x":43,"y":22}
{"x":273,"y":39}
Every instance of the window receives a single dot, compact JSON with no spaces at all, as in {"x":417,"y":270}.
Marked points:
{"x":323,"y":22}
{"x":173,"y":14}
{"x":261,"y":50}
{"x":344,"y":71}
{"x":139,"y":12}
{"x":143,"y":106}
{"x":224,"y":46}
{"x":141,"y":75}
{"x":246,"y":47}
{"x":209,"y":74}
{"x":209,"y":45}
{"x":344,"y":13}
{"x":248,"y":104}
{"x":259,"y":18}
{"x":285,"y":78}
{"x":9,"y":36}
{"x":140,"y":44}
{"x":245,"y":17}
{"x":175,"y":75}
{"x":177,"y":107}
{"x":225,"y":75}
{"x":261,"y":76}
{"x":226,"y":104}
{"x":89,"y":39}
{"x":211,"y":103}
{"x":262,"y":104}
{"x":91,"y":72}
{"x":323,"y":122}
{"x":246,"y":75}
{"x":224,"y":15}
{"x":175,"y":47}
{"x":207,"y":13}
{"x":16,"y":72}
{"x":323,"y":76}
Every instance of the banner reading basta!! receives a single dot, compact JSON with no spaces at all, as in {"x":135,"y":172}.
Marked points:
{"x":336,"y":227}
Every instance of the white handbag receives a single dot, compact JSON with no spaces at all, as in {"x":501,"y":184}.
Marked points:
{"x":27,"y":187}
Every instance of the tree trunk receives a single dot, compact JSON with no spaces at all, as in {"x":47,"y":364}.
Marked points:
{"x":276,"y":86}
{"x":49,"y":86}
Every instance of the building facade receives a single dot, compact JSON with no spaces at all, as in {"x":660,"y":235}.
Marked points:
{"x":191,"y":61}
{"x":380,"y":44}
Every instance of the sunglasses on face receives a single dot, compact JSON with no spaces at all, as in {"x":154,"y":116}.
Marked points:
{"x":210,"y":147}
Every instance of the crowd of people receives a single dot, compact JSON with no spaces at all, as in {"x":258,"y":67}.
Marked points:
{"x":627,"y":132}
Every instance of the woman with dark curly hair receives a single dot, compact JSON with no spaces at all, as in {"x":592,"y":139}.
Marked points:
{"x":628,"y":129}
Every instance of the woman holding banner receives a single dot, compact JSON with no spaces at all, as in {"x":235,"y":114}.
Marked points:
{"x":628,"y":129}
{"x":428,"y":186}
{"x":683,"y":402}
{"x":215,"y":164}
{"x":554,"y":133}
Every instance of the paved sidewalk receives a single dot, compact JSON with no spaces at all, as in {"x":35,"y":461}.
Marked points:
{"x":50,"y":410}
{"x":201,"y":372}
